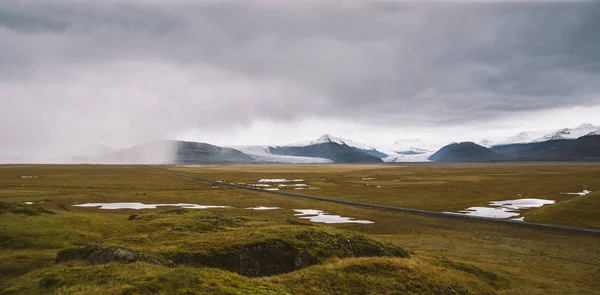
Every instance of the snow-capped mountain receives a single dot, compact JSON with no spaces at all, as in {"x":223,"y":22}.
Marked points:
{"x":412,"y":146}
{"x":545,"y":135}
{"x":262,"y":153}
{"x":327,"y":138}
{"x":522,"y":137}
{"x":569,"y":133}
{"x":487,"y":143}
{"x":594,"y":133}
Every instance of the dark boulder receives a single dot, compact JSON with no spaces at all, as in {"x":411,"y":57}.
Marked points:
{"x":96,"y":254}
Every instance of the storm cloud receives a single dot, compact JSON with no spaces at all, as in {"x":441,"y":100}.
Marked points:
{"x":74,"y":71}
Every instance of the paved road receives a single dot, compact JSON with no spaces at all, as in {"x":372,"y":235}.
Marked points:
{"x":402,"y":209}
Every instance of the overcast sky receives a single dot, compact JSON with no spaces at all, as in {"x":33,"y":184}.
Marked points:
{"x":120,"y":72}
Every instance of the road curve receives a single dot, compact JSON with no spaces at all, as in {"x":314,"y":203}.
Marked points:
{"x":393,"y":208}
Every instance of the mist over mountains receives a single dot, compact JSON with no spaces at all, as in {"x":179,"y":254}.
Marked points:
{"x":581,"y":143}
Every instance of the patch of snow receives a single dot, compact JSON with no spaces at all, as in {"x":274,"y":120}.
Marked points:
{"x":583,"y":193}
{"x":304,"y":212}
{"x":29,"y":203}
{"x":263,"y":208}
{"x":137,"y":206}
{"x":518,"y":219}
{"x":292,"y":185}
{"x":367,"y":178}
{"x":504,"y":209}
{"x":28,"y":177}
{"x":522,"y":203}
{"x":270,"y":189}
{"x":322,"y":217}
{"x":279,"y":180}
{"x":489,"y":212}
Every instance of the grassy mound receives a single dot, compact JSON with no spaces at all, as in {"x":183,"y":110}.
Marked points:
{"x":19,"y":208}
{"x":381,"y":276}
{"x":275,"y":256}
{"x":135,"y":278}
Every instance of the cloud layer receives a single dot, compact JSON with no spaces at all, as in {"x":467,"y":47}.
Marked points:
{"x":130,"y":71}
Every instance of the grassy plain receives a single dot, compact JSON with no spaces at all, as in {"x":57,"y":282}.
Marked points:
{"x":448,"y":255}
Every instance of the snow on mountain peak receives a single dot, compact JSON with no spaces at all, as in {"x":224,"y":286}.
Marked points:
{"x":328,"y":138}
{"x":487,"y":143}
{"x":569,"y":133}
{"x":413,"y":146}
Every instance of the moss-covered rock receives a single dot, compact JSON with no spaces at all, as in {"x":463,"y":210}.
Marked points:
{"x":96,"y":254}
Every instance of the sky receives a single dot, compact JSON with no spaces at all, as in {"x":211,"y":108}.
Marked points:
{"x":75,"y":73}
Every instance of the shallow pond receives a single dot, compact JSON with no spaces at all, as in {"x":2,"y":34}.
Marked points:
{"x":322,"y":217}
{"x":505,"y":209}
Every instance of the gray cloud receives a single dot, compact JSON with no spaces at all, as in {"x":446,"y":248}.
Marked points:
{"x":128,"y":71}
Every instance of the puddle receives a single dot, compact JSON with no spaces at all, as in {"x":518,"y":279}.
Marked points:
{"x":583,"y":193}
{"x":505,"y":209}
{"x":279,"y":180}
{"x":367,"y":178}
{"x":322,"y":217}
{"x":31,"y":203}
{"x":292,"y":185}
{"x":263,"y":208}
{"x":488,"y":212}
{"x":137,"y":206}
{"x":522,"y":203}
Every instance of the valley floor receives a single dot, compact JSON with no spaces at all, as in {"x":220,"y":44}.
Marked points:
{"x":182,"y":250}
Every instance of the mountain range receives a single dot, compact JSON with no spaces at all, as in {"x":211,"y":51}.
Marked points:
{"x":567,"y":144}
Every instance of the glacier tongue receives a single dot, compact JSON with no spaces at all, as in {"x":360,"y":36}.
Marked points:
{"x":261,"y":153}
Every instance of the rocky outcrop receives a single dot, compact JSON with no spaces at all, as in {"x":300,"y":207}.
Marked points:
{"x":96,"y":254}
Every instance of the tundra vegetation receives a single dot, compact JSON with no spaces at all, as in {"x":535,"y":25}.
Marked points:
{"x":50,"y":246}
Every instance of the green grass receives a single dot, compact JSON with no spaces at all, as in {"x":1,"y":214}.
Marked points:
{"x":424,"y":186}
{"x":447,"y":254}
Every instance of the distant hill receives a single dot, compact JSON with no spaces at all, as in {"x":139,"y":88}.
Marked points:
{"x":336,"y":152}
{"x":327,"y":138}
{"x":586,"y":148}
{"x":465,"y":152}
{"x":176,"y":152}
